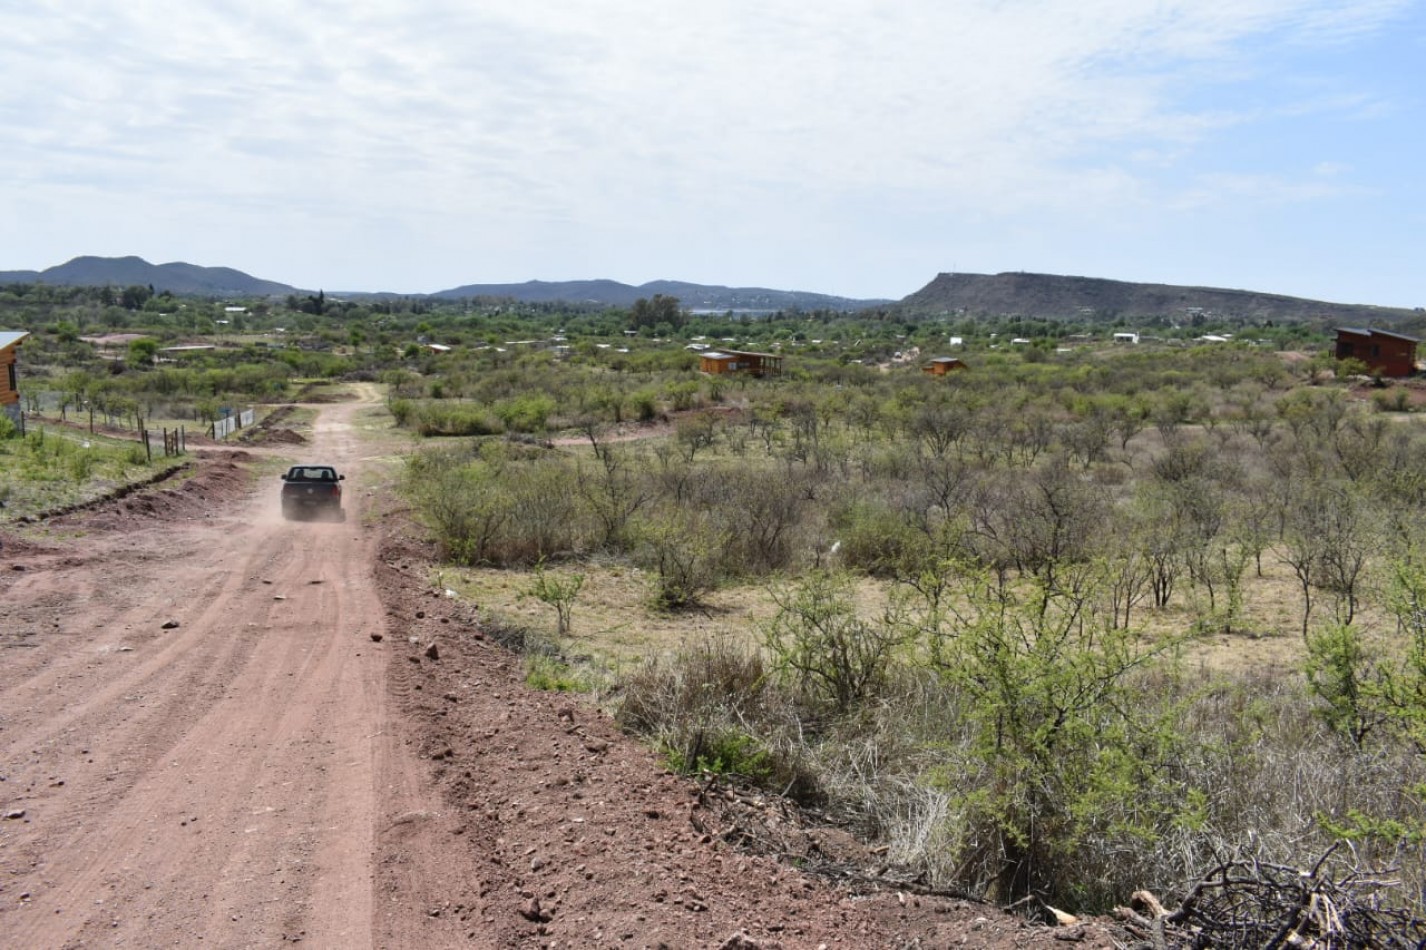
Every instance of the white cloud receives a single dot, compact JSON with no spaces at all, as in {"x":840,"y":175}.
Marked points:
{"x":1227,"y":190}
{"x":639,"y":119}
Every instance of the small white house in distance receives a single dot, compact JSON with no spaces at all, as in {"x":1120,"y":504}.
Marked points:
{"x":1019,"y":341}
{"x":957,"y":341}
{"x":1126,"y":338}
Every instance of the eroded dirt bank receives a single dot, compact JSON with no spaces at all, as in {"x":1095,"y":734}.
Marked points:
{"x":576,"y":836}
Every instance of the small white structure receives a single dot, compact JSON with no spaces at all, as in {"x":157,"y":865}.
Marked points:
{"x":1126,"y":338}
{"x":957,"y":341}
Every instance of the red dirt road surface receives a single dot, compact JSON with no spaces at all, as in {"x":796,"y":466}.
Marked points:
{"x":203,"y":742}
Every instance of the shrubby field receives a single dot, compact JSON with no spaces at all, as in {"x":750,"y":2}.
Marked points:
{"x":1060,"y":545}
{"x":1078,"y":620}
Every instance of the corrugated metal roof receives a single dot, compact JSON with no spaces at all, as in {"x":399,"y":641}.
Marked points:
{"x":9,"y":338}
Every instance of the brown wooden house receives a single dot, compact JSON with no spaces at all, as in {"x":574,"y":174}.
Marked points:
{"x":9,"y":381}
{"x":941,"y":365}
{"x":1385,"y":353}
{"x":722,"y":362}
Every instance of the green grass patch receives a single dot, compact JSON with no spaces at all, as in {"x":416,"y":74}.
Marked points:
{"x":553,"y":676}
{"x":52,"y":468}
{"x":731,"y":754}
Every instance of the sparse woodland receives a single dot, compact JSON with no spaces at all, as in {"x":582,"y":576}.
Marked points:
{"x":1008,"y":616}
{"x":1061,"y":545}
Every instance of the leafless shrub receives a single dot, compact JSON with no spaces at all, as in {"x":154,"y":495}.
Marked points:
{"x":515,"y":636}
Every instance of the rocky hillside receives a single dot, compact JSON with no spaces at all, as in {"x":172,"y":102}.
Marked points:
{"x":1047,"y":296}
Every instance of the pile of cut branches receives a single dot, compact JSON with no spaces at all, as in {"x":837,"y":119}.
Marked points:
{"x":1249,"y":903}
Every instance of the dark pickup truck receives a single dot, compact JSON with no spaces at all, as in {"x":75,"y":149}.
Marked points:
{"x":312,"y":490}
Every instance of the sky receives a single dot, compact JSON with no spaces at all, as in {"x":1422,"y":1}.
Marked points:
{"x":850,"y":147}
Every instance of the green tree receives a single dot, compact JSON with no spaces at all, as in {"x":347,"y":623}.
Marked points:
{"x":818,"y":640}
{"x":1063,"y":744}
{"x":143,"y":351}
{"x":651,"y":312}
{"x":134,"y":297}
{"x":683,"y":547}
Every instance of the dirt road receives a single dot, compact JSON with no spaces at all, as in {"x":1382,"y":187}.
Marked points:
{"x":192,"y":721}
{"x":202,"y":743}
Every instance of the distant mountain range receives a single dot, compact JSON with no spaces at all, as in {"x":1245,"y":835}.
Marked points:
{"x":182,"y":278}
{"x":1047,"y":296}
{"x":1042,"y":296}
{"x":177,"y":278}
{"x":611,"y":293}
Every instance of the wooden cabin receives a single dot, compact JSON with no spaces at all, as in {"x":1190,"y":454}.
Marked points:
{"x":10,"y":340}
{"x":722,"y":362}
{"x":941,"y":365}
{"x":1386,"y":353}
